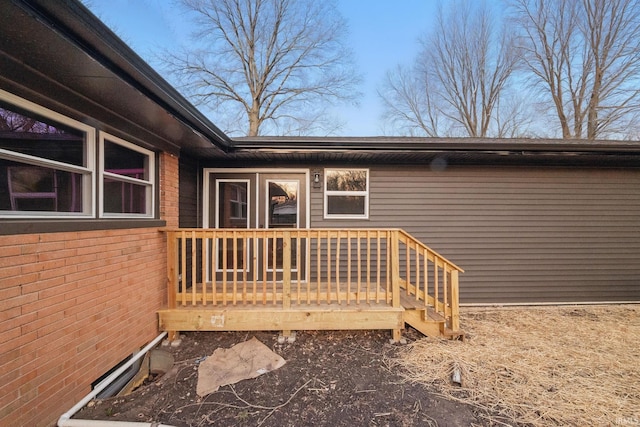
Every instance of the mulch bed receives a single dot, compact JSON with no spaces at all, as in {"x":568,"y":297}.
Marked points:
{"x":331,"y":378}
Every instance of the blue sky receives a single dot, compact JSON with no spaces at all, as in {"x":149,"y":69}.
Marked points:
{"x":383,"y":33}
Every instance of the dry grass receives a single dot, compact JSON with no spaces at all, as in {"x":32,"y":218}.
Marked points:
{"x":571,"y":365}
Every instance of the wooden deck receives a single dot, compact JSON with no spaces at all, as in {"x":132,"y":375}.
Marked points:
{"x":303,"y":279}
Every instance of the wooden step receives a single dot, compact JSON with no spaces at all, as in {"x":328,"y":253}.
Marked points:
{"x":432,"y":315}
{"x":428,"y":314}
{"x":427,"y":320}
{"x":409,"y":302}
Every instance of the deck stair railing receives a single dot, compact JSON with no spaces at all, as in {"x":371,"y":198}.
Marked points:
{"x":429,"y":285}
{"x":298,"y":268}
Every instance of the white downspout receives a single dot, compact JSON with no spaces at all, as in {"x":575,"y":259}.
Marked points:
{"x":65,"y":419}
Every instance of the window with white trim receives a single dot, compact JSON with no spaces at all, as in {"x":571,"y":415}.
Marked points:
{"x":127,"y":174}
{"x":346,"y":193}
{"x":49,"y":167}
{"x":47,"y":162}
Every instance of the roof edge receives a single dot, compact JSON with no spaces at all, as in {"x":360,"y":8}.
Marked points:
{"x":417,"y":144}
{"x":80,"y":26}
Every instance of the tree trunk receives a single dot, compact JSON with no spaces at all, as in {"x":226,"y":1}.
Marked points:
{"x":594,"y":102}
{"x":254,"y":120}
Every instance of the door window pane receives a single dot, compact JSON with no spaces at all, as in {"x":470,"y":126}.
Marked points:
{"x":283,"y":213}
{"x":283,"y":204}
{"x":233,"y":204}
{"x":233,"y":208}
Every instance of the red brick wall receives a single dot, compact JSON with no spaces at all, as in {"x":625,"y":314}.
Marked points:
{"x":169,"y":180}
{"x":74,"y":304}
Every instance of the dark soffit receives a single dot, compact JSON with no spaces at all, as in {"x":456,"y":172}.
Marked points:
{"x":59,"y":54}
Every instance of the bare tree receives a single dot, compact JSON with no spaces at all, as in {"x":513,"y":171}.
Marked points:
{"x":586,"y":56}
{"x":459,"y":76}
{"x":513,"y":117}
{"x":280,"y":62}
{"x":407,"y":102}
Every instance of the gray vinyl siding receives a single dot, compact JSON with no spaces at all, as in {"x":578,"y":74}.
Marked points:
{"x":188,"y":189}
{"x":523,"y":235}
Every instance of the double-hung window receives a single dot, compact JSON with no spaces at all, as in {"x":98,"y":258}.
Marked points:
{"x":127,"y":177}
{"x":51,"y":166}
{"x":47,"y":162}
{"x":346,"y":193}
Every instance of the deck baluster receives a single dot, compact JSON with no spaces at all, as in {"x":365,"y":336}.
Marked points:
{"x":203,"y":268}
{"x":425,"y":255}
{"x":445,"y":291}
{"x":286,"y":270}
{"x":274,"y":269}
{"x":349,"y":267}
{"x":224,"y":267}
{"x":368,"y":267}
{"x":417,"y":297}
{"x":254,"y":267}
{"x":319,"y":265}
{"x":264,"y":259}
{"x":234,"y":256}
{"x":298,"y":267}
{"x":436,"y":282}
{"x":183,"y":269}
{"x":378,"y":269}
{"x":328,"y":267}
{"x":214,"y":268}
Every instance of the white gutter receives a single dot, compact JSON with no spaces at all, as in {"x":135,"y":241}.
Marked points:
{"x":65,"y":419}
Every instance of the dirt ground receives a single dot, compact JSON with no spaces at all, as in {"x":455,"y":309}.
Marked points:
{"x":331,"y":378}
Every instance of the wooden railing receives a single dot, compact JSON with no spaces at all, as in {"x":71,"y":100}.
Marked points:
{"x":308,"y":267}
{"x":429,"y":279}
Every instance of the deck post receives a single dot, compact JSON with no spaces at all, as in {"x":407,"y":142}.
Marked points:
{"x":395,"y":279}
{"x":455,"y":305}
{"x":172,"y":275}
